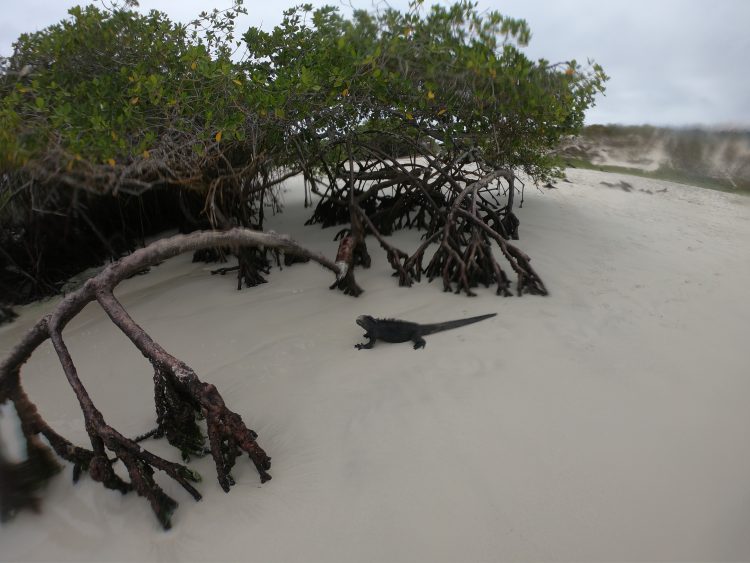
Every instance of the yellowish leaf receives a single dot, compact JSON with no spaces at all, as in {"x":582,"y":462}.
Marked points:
{"x":218,"y":136}
{"x":113,"y":135}
{"x":146,"y":154}
{"x":133,"y":101}
{"x":409,"y":116}
{"x":111,"y":161}
{"x":237,"y":82}
{"x":430,"y":95}
{"x":569,"y":71}
{"x":69,"y":167}
{"x":345,"y":92}
{"x":194,"y":65}
{"x":442,"y":111}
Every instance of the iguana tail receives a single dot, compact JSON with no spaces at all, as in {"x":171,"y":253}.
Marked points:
{"x":439,"y":327}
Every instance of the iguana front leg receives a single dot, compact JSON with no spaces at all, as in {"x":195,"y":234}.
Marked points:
{"x":369,"y":344}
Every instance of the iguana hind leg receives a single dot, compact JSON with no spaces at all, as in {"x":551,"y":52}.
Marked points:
{"x":419,"y":342}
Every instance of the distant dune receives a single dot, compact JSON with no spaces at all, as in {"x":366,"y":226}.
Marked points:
{"x":717,"y":159}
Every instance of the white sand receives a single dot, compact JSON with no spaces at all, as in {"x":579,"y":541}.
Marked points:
{"x":608,"y":421}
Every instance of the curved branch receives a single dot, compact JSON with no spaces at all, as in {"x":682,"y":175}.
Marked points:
{"x":139,"y":260}
{"x":181,"y":397}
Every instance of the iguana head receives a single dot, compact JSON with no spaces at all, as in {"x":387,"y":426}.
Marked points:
{"x":365,"y":321}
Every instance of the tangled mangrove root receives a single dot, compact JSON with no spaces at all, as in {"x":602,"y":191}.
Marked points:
{"x":181,"y":397}
{"x":453,"y":196}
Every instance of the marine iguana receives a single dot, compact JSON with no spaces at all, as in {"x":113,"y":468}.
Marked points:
{"x":392,"y":330}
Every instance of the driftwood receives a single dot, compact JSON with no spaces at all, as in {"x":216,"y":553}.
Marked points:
{"x":181,"y":397}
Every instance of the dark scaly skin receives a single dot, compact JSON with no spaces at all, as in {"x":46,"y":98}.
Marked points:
{"x":392,"y":330}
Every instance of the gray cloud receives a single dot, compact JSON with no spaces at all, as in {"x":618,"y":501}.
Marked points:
{"x":672,"y":62}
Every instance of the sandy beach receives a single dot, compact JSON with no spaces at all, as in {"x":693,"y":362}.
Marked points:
{"x":607,"y":421}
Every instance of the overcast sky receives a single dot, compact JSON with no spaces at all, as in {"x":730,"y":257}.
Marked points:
{"x":671,"y":62}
